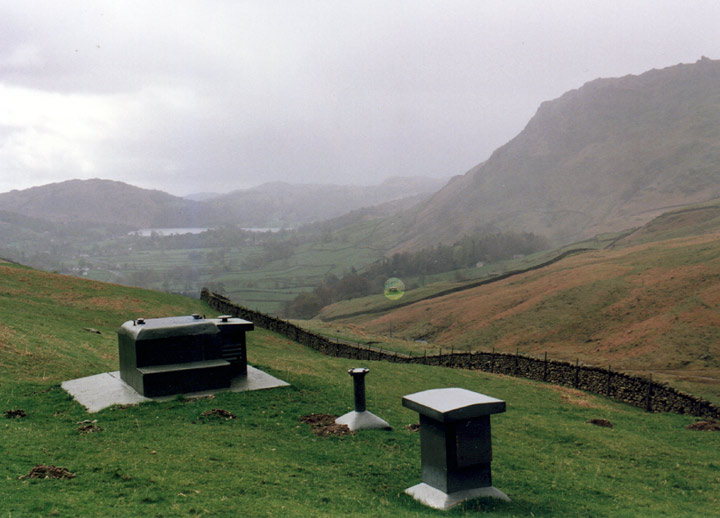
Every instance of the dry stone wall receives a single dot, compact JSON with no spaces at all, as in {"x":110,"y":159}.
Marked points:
{"x":635,"y":390}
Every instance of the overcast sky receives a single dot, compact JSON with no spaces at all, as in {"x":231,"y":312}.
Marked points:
{"x":217,"y":95}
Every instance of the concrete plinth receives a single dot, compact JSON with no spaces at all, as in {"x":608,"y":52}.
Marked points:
{"x":363,"y":421}
{"x":455,"y":445}
{"x":437,"y":499}
{"x":103,"y":390}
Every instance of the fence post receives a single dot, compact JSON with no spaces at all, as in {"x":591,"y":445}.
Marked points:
{"x":545,"y":368}
{"x":577,"y":372}
{"x":607,"y":390}
{"x":492,"y":360}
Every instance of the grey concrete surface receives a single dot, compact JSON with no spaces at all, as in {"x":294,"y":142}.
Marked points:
{"x":103,"y":390}
{"x":437,"y":499}
{"x":362,"y":421}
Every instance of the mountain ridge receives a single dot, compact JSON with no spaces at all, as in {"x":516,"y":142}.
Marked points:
{"x":105,"y":202}
{"x":279,"y":204}
{"x":607,"y":156}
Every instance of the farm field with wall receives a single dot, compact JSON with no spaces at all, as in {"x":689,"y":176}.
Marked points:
{"x":171,"y":459}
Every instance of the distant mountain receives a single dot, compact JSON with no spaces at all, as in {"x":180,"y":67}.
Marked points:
{"x":608,"y":156}
{"x":105,"y":202}
{"x":202,"y":196}
{"x":281,"y":204}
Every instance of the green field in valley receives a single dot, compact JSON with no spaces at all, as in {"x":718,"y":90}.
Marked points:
{"x":265,"y":288}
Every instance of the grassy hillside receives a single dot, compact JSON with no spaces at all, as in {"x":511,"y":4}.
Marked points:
{"x":44,"y":322}
{"x":425,"y":287}
{"x":170,"y":460}
{"x":651,"y":308}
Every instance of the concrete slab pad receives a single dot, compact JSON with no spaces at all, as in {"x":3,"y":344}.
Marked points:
{"x":255,"y":380}
{"x":103,"y":390}
{"x":437,"y":499}
{"x":363,"y":421}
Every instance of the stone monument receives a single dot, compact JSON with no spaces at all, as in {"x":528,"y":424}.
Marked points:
{"x":455,"y":445}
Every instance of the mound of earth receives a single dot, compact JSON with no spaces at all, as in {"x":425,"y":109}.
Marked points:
{"x":601,"y":422}
{"x":705,"y":426}
{"x":88,"y":426}
{"x":218,"y":413}
{"x":50,"y":471}
{"x":323,"y":425}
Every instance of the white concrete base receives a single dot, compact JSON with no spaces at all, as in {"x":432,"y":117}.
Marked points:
{"x":437,"y":499}
{"x":362,"y":421}
{"x":107,"y":389}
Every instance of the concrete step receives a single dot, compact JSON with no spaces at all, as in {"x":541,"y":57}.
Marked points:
{"x":179,"y":378}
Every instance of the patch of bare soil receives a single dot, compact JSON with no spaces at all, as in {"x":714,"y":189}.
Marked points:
{"x":601,"y":422}
{"x":323,"y":425}
{"x":217,"y":413}
{"x":15,"y":414}
{"x":88,"y":426}
{"x":705,"y":426}
{"x":50,"y":471}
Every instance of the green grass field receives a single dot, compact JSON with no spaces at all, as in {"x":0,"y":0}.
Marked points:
{"x":266,"y":288}
{"x":165,"y":459}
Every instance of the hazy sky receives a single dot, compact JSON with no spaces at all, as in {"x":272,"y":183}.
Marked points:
{"x":217,"y":95}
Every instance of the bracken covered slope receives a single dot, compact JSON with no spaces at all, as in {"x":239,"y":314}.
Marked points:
{"x":651,"y":307}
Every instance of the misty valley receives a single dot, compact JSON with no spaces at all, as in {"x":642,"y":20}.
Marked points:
{"x":590,"y":237}
{"x":360,"y":259}
{"x":266,"y":269}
